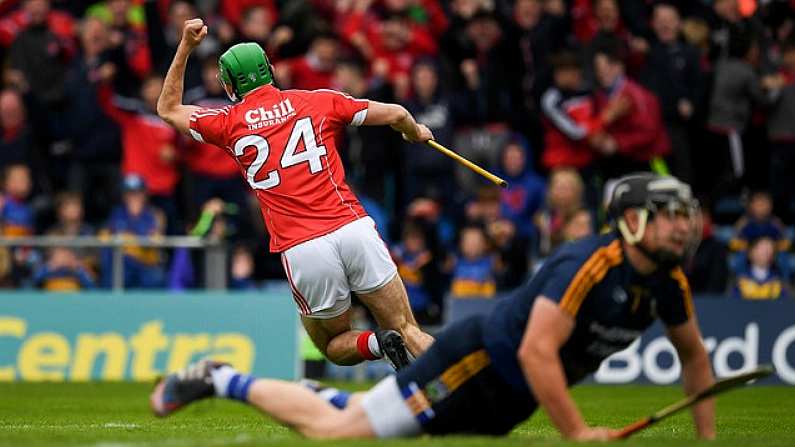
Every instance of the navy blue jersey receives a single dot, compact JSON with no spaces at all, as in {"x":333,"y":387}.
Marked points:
{"x":611,"y":302}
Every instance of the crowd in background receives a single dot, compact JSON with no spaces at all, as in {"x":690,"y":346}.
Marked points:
{"x":557,"y":96}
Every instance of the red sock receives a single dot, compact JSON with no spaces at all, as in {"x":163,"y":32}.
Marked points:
{"x":363,"y":346}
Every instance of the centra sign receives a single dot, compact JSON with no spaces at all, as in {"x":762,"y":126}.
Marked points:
{"x":52,"y":356}
{"x":139,"y":336}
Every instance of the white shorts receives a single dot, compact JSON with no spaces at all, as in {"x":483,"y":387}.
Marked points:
{"x":388,"y":412}
{"x":324,"y":271}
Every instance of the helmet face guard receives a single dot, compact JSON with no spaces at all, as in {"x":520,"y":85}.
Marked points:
{"x":244,"y":67}
{"x":655,"y":196}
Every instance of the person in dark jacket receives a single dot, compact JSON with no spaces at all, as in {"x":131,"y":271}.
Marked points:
{"x":708,"y":270}
{"x":163,"y":37}
{"x":672,"y":72}
{"x":16,"y":139}
{"x":781,"y":131}
{"x":430,"y":105}
{"x":94,"y":138}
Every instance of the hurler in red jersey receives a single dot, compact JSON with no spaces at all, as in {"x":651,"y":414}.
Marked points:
{"x":283,"y":141}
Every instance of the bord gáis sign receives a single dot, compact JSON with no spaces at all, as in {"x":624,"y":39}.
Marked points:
{"x":738,"y":335}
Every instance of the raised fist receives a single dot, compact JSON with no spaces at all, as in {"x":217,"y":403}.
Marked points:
{"x":194,"y":32}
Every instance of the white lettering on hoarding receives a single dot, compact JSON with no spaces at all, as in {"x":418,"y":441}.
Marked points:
{"x":633,"y":362}
{"x":748,"y":349}
{"x":783,"y":342}
{"x":654,"y":371}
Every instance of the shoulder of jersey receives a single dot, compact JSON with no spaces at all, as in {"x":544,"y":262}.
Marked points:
{"x":584,"y":248}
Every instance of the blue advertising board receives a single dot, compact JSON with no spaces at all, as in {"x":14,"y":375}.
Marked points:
{"x":139,"y":336}
{"x":738,"y":334}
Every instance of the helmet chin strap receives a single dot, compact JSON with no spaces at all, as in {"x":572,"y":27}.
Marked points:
{"x":634,"y":238}
{"x":664,"y":260}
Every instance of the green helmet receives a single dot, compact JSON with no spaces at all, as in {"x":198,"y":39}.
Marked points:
{"x":245,"y":67}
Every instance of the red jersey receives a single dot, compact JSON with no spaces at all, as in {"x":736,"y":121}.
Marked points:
{"x":284,"y":142}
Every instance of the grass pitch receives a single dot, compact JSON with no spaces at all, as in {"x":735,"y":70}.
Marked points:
{"x":116,"y":415}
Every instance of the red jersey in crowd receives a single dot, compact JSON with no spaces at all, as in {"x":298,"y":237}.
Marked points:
{"x":149,"y":145}
{"x":305,"y":75}
{"x":59,"y":23}
{"x":569,"y":118}
{"x":640,"y":133}
{"x":419,"y":43}
{"x":284,"y":142}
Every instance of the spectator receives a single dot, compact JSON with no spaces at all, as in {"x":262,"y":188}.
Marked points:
{"x":242,"y":270}
{"x":486,"y":206}
{"x":313,"y":70}
{"x":210,"y":225}
{"x":782,"y":134}
{"x":135,"y":218}
{"x":7,"y":274}
{"x":512,"y":254}
{"x":391,"y":43}
{"x":610,"y":29}
{"x":15,"y":21}
{"x":708,"y":270}
{"x":439,"y":234}
{"x":149,"y":145}
{"x":16,"y":214}
{"x":760,"y":280}
{"x":431,"y":106}
{"x":63,"y":272}
{"x":524,"y":196}
{"x":413,"y":259}
{"x":37,"y":60}
{"x":70,"y":223}
{"x":539,"y":29}
{"x":441,"y":229}
{"x":564,"y":198}
{"x":257,"y":25}
{"x":758,"y":222}
{"x":473,"y":267}
{"x":484,"y":94}
{"x":569,"y":117}
{"x":735,"y":90}
{"x":672,"y":71}
{"x":127,"y":46}
{"x":373,"y":172}
{"x":728,"y":23}
{"x":578,"y":225}
{"x":16,"y":141}
{"x":94,"y":138}
{"x":454,"y":41}
{"x":630,"y":115}
{"x":163,"y":38}
{"x":233,"y":11}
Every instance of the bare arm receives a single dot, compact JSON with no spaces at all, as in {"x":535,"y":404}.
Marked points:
{"x":397,"y":117}
{"x":547,"y":330}
{"x":169,"y":105}
{"x":696,"y":373}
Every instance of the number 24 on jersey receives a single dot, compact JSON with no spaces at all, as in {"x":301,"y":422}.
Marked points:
{"x":302,"y":130}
